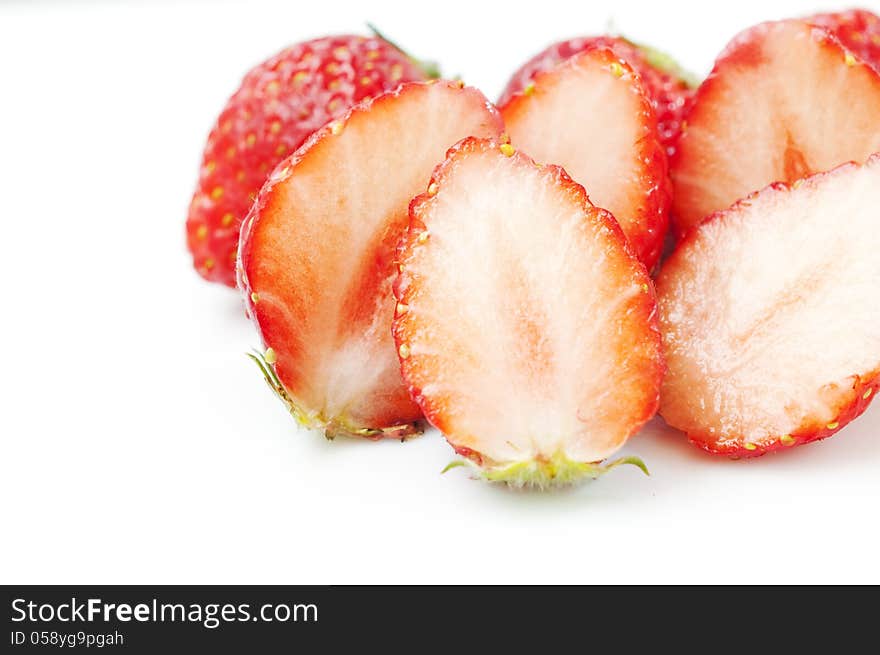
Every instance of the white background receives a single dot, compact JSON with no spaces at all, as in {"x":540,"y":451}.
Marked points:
{"x":139,"y":445}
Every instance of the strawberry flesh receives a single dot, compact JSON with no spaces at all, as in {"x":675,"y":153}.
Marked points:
{"x":770,"y":317}
{"x":592,"y":115}
{"x":317,"y":252}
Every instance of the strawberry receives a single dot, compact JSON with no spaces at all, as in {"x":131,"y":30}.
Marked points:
{"x":784,"y":100}
{"x":592,"y":115}
{"x":278,"y":105}
{"x":525,"y":326}
{"x":317,"y":255}
{"x":770,"y":317}
{"x":857,"y":29}
{"x":669,"y":86}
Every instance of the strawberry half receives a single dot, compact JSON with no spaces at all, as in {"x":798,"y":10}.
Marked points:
{"x":857,"y":29}
{"x":784,"y":100}
{"x":592,"y":115}
{"x":279,"y":104}
{"x":526,"y":328}
{"x":669,"y":86}
{"x":317,"y":254}
{"x":770,"y":317}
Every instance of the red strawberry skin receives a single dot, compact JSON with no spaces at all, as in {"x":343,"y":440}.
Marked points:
{"x":671,"y":92}
{"x":861,"y":395}
{"x":279,"y":104}
{"x":857,"y":29}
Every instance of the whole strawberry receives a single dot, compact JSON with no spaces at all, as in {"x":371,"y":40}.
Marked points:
{"x":857,"y":29}
{"x":279,"y":104}
{"x":670,"y":87}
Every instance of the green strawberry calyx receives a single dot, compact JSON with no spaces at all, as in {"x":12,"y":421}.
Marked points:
{"x":431,"y":69}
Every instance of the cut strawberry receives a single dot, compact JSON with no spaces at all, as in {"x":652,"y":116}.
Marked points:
{"x":770,"y":316}
{"x":526,"y":329}
{"x":785,"y":100}
{"x":592,"y":115}
{"x":317,"y":254}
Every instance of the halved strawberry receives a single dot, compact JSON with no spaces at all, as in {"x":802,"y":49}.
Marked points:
{"x":784,"y":100}
{"x":592,"y":116}
{"x":317,"y":254}
{"x":770,"y":316}
{"x":525,"y":326}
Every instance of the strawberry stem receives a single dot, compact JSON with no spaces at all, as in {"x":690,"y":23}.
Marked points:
{"x":453,"y":465}
{"x":333,"y":428}
{"x":558,"y":471}
{"x":431,"y":69}
{"x":632,"y":460}
{"x":275,"y":384}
